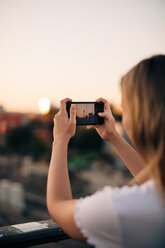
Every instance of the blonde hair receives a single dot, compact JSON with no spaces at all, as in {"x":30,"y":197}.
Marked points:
{"x":143,"y":88}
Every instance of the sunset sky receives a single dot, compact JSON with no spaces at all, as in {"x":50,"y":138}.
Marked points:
{"x":83,"y":110}
{"x":73,"y":48}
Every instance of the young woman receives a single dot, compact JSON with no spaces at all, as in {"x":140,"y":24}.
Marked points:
{"x":128,"y":216}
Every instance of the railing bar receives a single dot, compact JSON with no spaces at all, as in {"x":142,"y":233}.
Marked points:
{"x":13,"y":237}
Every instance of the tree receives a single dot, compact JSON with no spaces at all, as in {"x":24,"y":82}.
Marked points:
{"x":22,"y":141}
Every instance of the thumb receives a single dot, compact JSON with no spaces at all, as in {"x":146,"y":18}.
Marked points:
{"x":73,"y":113}
{"x":104,"y":115}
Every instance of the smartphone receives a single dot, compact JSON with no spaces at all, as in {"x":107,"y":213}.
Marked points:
{"x":87,"y":112}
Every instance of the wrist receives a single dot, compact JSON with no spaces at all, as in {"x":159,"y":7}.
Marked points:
{"x":61,"y":141}
{"x":113,"y":138}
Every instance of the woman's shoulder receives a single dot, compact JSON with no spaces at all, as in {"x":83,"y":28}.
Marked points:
{"x":125,"y":194}
{"x":136,"y":198}
{"x":147,"y":188}
{"x":131,"y":192}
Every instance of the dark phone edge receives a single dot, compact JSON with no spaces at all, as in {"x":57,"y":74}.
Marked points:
{"x":83,"y":102}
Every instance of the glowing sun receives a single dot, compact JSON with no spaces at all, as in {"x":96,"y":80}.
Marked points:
{"x":44,"y":105}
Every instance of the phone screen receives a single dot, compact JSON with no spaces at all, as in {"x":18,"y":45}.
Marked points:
{"x":87,"y":112}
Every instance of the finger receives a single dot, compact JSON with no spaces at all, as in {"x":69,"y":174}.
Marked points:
{"x":96,"y":126}
{"x":63,"y":104}
{"x":56,"y":115}
{"x":89,"y":127}
{"x":72,"y":113}
{"x":92,"y":126}
{"x":101,"y":100}
{"x":106,"y":103}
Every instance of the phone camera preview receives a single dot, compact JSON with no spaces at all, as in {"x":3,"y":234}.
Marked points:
{"x":87,"y":112}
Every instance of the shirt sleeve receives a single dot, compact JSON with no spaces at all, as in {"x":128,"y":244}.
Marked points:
{"x":97,"y":219}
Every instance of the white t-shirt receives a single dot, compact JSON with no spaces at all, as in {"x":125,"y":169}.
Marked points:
{"x":130,"y":217}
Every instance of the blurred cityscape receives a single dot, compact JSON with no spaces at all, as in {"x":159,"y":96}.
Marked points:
{"x":25,"y":150}
{"x":87,"y":119}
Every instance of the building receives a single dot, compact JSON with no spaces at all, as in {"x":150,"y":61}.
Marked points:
{"x":8,"y":121}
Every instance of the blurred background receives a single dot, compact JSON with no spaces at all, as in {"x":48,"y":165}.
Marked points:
{"x":50,"y":50}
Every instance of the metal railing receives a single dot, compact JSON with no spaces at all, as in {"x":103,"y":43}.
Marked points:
{"x":31,"y":233}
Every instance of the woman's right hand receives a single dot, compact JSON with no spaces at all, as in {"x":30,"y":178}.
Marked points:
{"x":106,"y":130}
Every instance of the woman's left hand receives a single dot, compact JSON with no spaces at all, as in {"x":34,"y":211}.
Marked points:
{"x":64,"y":127}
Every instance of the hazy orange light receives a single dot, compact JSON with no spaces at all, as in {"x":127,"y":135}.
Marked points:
{"x":44,"y":105}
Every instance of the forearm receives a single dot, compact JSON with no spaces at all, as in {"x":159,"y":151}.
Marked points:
{"x":129,"y":156}
{"x":58,"y":184}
